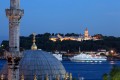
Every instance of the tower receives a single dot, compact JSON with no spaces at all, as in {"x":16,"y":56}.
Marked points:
{"x":14,"y":15}
{"x":86,"y":34}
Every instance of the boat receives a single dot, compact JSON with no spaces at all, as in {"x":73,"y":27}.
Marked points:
{"x":58,"y":56}
{"x":82,"y":57}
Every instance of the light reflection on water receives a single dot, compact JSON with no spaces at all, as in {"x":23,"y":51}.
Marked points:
{"x":86,"y":70}
{"x":112,"y":62}
{"x":89,"y":70}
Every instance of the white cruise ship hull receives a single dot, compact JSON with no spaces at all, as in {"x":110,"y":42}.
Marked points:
{"x":87,"y":58}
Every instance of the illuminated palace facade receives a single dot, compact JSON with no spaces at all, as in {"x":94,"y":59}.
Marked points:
{"x":86,"y":36}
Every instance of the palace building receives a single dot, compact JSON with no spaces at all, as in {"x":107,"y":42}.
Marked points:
{"x":83,"y":37}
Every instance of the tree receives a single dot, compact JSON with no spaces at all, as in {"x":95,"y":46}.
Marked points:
{"x":105,"y":77}
{"x":113,"y":75}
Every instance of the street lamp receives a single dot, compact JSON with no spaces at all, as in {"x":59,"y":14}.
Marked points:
{"x":1,"y":45}
{"x":112,"y":51}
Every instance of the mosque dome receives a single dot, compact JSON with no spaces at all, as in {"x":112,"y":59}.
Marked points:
{"x":40,"y":63}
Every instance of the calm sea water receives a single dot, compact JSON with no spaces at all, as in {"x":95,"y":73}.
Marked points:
{"x":87,"y":70}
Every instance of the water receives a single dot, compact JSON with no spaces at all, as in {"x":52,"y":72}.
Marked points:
{"x":2,"y":62}
{"x":88,"y":70}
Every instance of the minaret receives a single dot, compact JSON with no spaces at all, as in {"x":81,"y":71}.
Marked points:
{"x":14,"y":15}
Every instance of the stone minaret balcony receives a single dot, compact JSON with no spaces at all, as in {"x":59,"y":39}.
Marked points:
{"x":14,"y":14}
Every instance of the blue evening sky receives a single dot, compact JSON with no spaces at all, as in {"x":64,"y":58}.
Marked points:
{"x":65,"y":16}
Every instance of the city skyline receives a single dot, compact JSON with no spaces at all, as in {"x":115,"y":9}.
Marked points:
{"x":65,"y":16}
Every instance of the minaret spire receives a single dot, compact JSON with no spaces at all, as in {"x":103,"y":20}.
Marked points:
{"x":14,"y":14}
{"x":14,"y":4}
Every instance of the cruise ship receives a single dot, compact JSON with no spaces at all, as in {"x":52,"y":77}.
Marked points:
{"x":88,"y":58}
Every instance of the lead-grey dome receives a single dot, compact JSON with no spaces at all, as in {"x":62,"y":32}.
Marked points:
{"x":40,"y":63}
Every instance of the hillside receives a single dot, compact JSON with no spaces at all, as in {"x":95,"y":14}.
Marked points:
{"x":43,"y":42}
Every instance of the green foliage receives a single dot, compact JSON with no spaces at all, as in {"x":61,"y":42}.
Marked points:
{"x":1,"y":51}
{"x":113,"y":75}
{"x":43,"y":42}
{"x":105,"y":77}
{"x":116,"y":76}
{"x":4,"y":44}
{"x":71,"y":34}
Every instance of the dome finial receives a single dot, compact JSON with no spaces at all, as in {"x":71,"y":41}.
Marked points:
{"x":34,"y":47}
{"x":22,"y":77}
{"x":35,"y":77}
{"x":70,"y":76}
{"x":47,"y":77}
{"x":57,"y":77}
{"x":2,"y":77}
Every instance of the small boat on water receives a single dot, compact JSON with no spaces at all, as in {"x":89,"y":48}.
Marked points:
{"x":82,"y":57}
{"x":58,"y":56}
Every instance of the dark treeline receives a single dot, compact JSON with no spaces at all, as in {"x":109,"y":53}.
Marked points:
{"x":68,"y":34}
{"x":43,"y":42}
